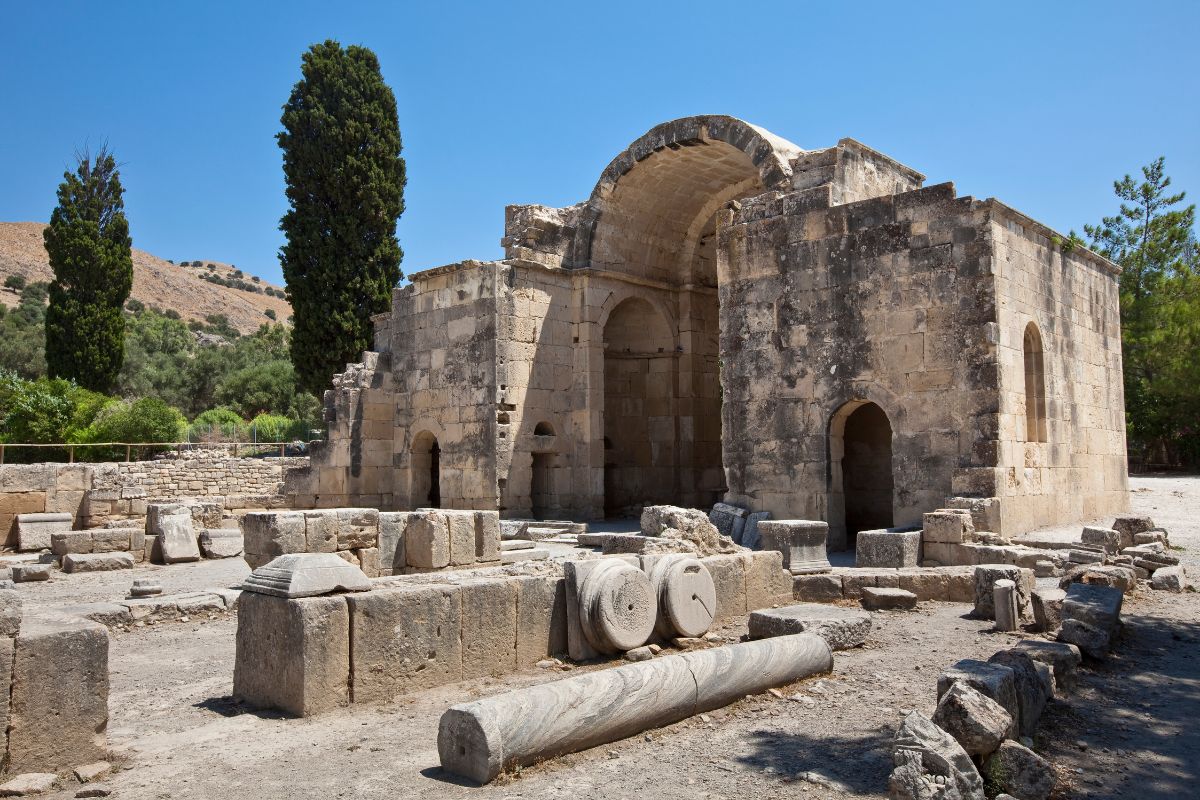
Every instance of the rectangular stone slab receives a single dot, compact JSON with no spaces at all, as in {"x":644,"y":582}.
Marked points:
{"x":489,"y":627}
{"x":292,"y":655}
{"x":541,"y":618}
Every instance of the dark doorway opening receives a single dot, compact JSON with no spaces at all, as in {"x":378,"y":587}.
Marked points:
{"x":867,"y":482}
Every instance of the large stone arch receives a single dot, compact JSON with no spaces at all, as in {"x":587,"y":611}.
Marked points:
{"x":654,"y":201}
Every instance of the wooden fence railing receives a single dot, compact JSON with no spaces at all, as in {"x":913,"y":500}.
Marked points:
{"x":130,"y":447}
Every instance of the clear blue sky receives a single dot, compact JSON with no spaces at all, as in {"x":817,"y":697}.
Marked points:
{"x":1041,"y":104}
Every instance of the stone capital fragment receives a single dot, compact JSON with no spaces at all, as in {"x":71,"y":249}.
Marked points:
{"x":306,"y":575}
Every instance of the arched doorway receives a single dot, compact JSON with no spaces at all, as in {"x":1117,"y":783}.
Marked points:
{"x":639,"y":421}
{"x":425,"y":489}
{"x":861,"y":481}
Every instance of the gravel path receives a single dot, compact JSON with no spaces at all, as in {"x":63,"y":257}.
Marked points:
{"x":1128,"y":728}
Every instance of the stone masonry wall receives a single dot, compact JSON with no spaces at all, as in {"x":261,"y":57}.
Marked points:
{"x":1080,"y":471}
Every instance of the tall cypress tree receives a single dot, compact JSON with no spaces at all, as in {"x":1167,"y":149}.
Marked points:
{"x":90,"y":252}
{"x":345,"y":186}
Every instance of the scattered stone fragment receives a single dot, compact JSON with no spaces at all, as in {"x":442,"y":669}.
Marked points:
{"x":1004,"y":600}
{"x":880,"y":599}
{"x":306,"y":575}
{"x":145,"y":587}
{"x":842,"y":628}
{"x":922,"y":751}
{"x":996,"y":681}
{"x":1019,"y":771}
{"x":221,"y":542}
{"x":1123,"y":578}
{"x":1034,"y":683}
{"x":1130,"y":526}
{"x":1106,"y":538}
{"x":28,"y":783}
{"x":27,"y":573}
{"x":1062,"y":658}
{"x":1170,"y":579}
{"x":978,"y":723}
{"x":92,"y":772}
{"x":93,"y":791}
{"x":986,"y":576}
{"x":639,"y":654}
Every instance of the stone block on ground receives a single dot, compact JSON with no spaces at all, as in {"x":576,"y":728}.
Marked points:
{"x":292,"y":655}
{"x":404,"y":639}
{"x":1130,"y":526}
{"x":1047,"y":608}
{"x":729,"y":580}
{"x":880,"y":599}
{"x":889,"y":549}
{"x":1020,"y":772}
{"x":727,"y":518}
{"x":1062,"y":658}
{"x":541,"y":618}
{"x":269,"y":534}
{"x":926,"y":584}
{"x":817,"y":588}
{"x":59,"y":711}
{"x":802,"y":543}
{"x":487,"y":536}
{"x":840,"y":627}
{"x":221,"y":542}
{"x":392,"y":558}
{"x":118,"y":540}
{"x":1099,"y":606}
{"x":924,"y":756}
{"x":992,"y":680}
{"x":11,"y":609}
{"x":1034,"y":683}
{"x":1106,"y":538}
{"x":96,"y":562}
{"x":750,"y":532}
{"x":489,"y":627}
{"x":172,"y":524}
{"x":767,"y":582}
{"x":306,"y":575}
{"x":947,"y":526}
{"x":30,"y":573}
{"x":71,"y":542}
{"x":1123,"y":578}
{"x":427,"y":541}
{"x":35,"y":531}
{"x":1169,"y":579}
{"x":986,"y":576}
{"x":978,"y":723}
{"x":28,"y":783}
{"x":461,"y":528}
{"x":1092,"y":641}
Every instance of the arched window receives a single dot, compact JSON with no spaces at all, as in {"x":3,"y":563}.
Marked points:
{"x":1035,"y":386}
{"x":543,"y":429}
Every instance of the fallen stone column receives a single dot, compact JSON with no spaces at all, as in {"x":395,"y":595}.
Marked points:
{"x":479,"y":740}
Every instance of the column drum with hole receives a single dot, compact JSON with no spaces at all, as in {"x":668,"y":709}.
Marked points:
{"x":687,"y":597}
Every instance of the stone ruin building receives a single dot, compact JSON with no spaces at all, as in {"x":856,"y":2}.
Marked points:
{"x":729,"y":316}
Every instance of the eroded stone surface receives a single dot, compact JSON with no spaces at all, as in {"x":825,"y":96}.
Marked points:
{"x":841,"y":627}
{"x":306,"y":575}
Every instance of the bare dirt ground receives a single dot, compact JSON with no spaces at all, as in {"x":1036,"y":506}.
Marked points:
{"x":1126,"y":732}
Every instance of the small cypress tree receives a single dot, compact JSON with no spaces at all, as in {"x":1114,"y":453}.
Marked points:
{"x":345,"y":187}
{"x":90,"y":252}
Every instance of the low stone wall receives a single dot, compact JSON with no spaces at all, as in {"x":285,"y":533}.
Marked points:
{"x":95,"y":494}
{"x":951,"y":584}
{"x":409,"y":633}
{"x":380,"y":543}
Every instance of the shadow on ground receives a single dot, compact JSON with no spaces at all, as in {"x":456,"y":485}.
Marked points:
{"x":851,"y":764}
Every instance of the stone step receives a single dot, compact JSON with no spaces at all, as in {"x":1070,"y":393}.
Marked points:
{"x":515,"y":556}
{"x":516,"y":544}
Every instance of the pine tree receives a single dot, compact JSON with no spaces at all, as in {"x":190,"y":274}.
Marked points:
{"x":90,"y":252}
{"x":345,"y":187}
{"x":1153,"y":238}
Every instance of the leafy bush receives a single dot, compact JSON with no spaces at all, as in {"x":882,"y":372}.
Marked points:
{"x":135,"y":306}
{"x":45,"y":411}
{"x":270,"y":313}
{"x":272,"y":428}
{"x":147,"y":419}
{"x":258,"y":388}
{"x":15,"y":282}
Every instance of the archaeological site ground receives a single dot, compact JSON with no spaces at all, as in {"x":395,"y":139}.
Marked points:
{"x":761,"y":472}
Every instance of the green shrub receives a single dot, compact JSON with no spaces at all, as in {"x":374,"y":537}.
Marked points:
{"x":270,"y":313}
{"x":272,"y":428}
{"x":144,"y":420}
{"x":15,"y":282}
{"x":135,"y":306}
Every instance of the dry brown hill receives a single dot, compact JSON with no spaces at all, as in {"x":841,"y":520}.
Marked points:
{"x":155,"y":282}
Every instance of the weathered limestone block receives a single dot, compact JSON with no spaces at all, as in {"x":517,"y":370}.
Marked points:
{"x":479,"y":740}
{"x":1096,"y":605}
{"x":427,"y":540}
{"x":1106,"y":538}
{"x":1062,"y":658}
{"x":221,"y":542}
{"x":487,"y":536}
{"x":172,"y":524}
{"x":10,"y":614}
{"x":875,"y":598}
{"x":923,"y":749}
{"x":887,"y":549}
{"x":1092,"y":641}
{"x":71,"y":542}
{"x":1004,"y":602}
{"x":59,"y":712}
{"x":1169,"y":579}
{"x":1047,"y":608}
{"x":767,"y":582}
{"x":461,"y":528}
{"x":1130,"y":526}
{"x":269,"y":534}
{"x":986,"y":576}
{"x":992,"y":680}
{"x":1018,"y":771}
{"x":293,"y":655}
{"x":947,"y":526}
{"x":320,"y":531}
{"x":392,"y":559}
{"x":404,"y":639}
{"x":35,"y":531}
{"x":728,"y":573}
{"x":30,"y":573}
{"x":841,"y":627}
{"x":1114,"y":575}
{"x":29,"y":783}
{"x":817,"y":588}
{"x":802,"y":543}
{"x":368,"y":561}
{"x":978,"y":723}
{"x":117,"y":540}
{"x":357,"y":528}
{"x":1034,"y":682}
{"x":489,"y":627}
{"x":687,"y":597}
{"x":306,"y":575}
{"x":96,"y":562}
{"x":750,"y":531}
{"x":729,"y":520}
{"x":541,"y":618}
